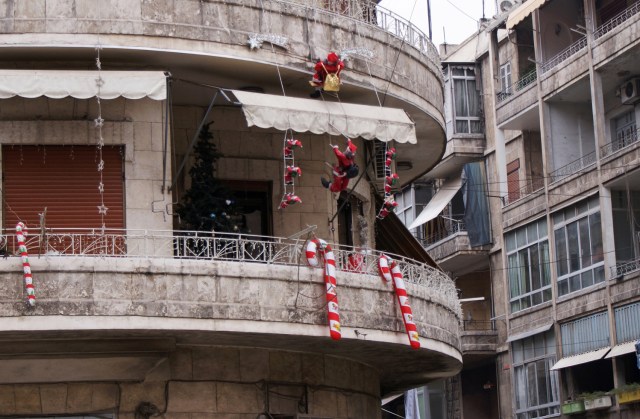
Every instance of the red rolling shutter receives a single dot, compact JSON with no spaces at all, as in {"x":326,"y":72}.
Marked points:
{"x":65,"y":180}
{"x":513,"y":180}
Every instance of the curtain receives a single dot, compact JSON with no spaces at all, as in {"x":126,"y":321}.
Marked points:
{"x":476,"y":215}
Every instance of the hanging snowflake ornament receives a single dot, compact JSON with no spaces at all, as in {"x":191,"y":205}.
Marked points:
{"x":256,"y":40}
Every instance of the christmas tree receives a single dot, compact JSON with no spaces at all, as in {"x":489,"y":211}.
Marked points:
{"x":208,"y":205}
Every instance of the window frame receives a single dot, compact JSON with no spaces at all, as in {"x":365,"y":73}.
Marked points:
{"x":468,"y":76}
{"x":584,"y":209}
{"x":506,"y":75}
{"x":544,"y":271}
{"x":524,"y":363}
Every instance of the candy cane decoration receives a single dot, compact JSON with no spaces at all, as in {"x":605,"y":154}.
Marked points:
{"x":26,"y":267}
{"x":313,"y":250}
{"x":389,"y":269}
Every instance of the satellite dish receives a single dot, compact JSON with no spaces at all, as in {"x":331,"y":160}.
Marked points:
{"x":505,"y":6}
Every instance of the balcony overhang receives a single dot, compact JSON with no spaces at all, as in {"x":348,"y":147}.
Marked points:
{"x":521,"y":13}
{"x":439,"y":201}
{"x":59,"y":84}
{"x":571,"y":361}
{"x":320,"y":117}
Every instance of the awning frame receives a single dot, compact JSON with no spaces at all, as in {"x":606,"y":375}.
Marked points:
{"x":573,"y":360}
{"x":439,"y":201}
{"x":522,"y":11}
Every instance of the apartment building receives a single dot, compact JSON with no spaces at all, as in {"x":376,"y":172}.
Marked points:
{"x":109,"y":309}
{"x":541,"y":108}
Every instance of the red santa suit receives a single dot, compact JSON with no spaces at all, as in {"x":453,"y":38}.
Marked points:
{"x":332,"y":64}
{"x":345,"y":161}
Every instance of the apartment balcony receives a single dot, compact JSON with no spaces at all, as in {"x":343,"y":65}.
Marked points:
{"x":617,"y":34}
{"x":266,"y":46}
{"x":229,"y":290}
{"x":516,"y":109}
{"x":461,"y":149}
{"x":452,"y":251}
{"x":570,"y":64}
{"x":478,"y":337}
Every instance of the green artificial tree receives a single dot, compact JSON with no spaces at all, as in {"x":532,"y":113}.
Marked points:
{"x":208,"y":205}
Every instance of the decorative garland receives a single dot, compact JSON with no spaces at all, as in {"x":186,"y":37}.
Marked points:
{"x":314,"y":249}
{"x":21,"y":232}
{"x":390,"y":271}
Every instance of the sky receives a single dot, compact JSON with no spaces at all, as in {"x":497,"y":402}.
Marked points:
{"x":459,"y":18}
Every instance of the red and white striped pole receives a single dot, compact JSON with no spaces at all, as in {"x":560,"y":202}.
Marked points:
{"x":386,"y":264}
{"x":313,"y":249}
{"x":21,"y":232}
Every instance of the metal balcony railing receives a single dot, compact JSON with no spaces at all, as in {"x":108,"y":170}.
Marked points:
{"x":574,"y":167}
{"x":620,"y":143}
{"x":524,"y":81}
{"x":451,"y":228}
{"x":624,"y":268}
{"x":221,"y":247}
{"x":616,"y":21}
{"x":571,"y":50}
{"x":528,"y":189}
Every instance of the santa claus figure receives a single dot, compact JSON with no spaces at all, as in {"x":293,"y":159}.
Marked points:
{"x":289,"y":199}
{"x":290,"y":173}
{"x":344,"y":170}
{"x":331,"y":64}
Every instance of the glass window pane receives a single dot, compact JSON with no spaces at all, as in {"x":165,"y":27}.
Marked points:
{"x":538,"y":344}
{"x":585,"y":246}
{"x":476,"y":127}
{"x":536,"y":280}
{"x":473,"y":97}
{"x":462,"y":126}
{"x":532,"y":394}
{"x":598,"y":275}
{"x":460,"y":93}
{"x":542,"y":228}
{"x":574,"y":283}
{"x":521,"y":237}
{"x":457,"y":71}
{"x":596,"y":238}
{"x":511,"y":241}
{"x":532,"y":232}
{"x":545,"y":266}
{"x":517,"y":351}
{"x":587,"y":279}
{"x":541,"y":374}
{"x":561,"y":252}
{"x":528,"y":348}
{"x":563,"y":287}
{"x":514,"y":279}
{"x":573,"y":247}
{"x":525,"y":277}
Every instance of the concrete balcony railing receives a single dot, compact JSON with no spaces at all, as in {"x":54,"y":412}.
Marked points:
{"x":192,"y":245}
{"x":574,"y":167}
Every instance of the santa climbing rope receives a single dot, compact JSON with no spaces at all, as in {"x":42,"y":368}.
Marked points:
{"x":344,"y":170}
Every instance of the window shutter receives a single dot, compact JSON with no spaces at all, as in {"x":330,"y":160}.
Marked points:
{"x":65,"y":180}
{"x":513,"y":180}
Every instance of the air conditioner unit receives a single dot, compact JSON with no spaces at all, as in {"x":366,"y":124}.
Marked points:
{"x":630,"y":91}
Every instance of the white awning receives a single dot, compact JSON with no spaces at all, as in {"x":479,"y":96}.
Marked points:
{"x":520,"y":13}
{"x":58,"y":84}
{"x":319,"y":117}
{"x":440,"y":200}
{"x":571,"y":361}
{"x":622,"y":349}
{"x":529,"y":333}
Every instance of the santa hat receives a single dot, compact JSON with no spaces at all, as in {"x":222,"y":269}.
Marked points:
{"x":332,"y":57}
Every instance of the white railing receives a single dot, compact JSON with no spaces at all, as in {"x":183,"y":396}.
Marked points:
{"x":616,"y":21}
{"x":222,"y":247}
{"x":572,"y":49}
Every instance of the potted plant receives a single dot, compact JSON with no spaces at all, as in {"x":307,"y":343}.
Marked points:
{"x":596,"y":400}
{"x":628,"y":393}
{"x":573,"y":406}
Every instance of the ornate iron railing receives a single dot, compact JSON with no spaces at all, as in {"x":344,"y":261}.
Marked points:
{"x":619,"y":143}
{"x":574,"y":167}
{"x":528,"y":189}
{"x":572,"y":49}
{"x":222,"y":247}
{"x":616,"y":21}
{"x":624,"y":268}
{"x":519,"y":85}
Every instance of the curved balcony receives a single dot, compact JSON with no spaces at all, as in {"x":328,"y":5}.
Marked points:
{"x":270,"y":46}
{"x":231,"y":290}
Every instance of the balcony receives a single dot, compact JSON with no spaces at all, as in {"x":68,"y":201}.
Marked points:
{"x":228,"y":288}
{"x":577,"y":166}
{"x":479,"y":336}
{"x":528,"y":189}
{"x":515,"y":107}
{"x":450,"y":248}
{"x":617,"y":34}
{"x":619,"y":143}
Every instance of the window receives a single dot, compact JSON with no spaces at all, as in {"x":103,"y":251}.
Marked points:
{"x":535,"y":386}
{"x":505,"y":78}
{"x":466,"y":99}
{"x":626,"y":215}
{"x":585,"y":334}
{"x":624,"y":130}
{"x":528,"y":259}
{"x":627,"y":323}
{"x":513,"y":180}
{"x":411,"y":201}
{"x":578,"y":234}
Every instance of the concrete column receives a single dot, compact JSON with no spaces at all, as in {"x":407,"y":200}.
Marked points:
{"x":499,"y":142}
